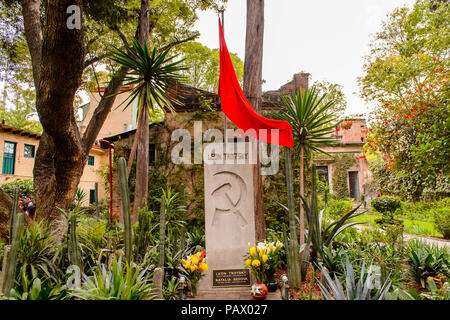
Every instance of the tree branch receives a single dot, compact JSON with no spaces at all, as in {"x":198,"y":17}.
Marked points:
{"x":177,"y":42}
{"x":33,"y":35}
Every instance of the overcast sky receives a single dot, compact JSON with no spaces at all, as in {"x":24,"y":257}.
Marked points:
{"x":326,"y":38}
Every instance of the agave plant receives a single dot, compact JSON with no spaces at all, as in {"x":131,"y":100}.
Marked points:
{"x":354,"y":290}
{"x":122,"y":282}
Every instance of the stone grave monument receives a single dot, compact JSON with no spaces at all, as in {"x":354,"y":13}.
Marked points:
{"x":229,"y":217}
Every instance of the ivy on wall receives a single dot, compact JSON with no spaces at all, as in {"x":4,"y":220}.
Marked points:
{"x":342,"y":162}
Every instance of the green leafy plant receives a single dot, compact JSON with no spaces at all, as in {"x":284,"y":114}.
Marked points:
{"x":37,"y":289}
{"x":37,"y":252}
{"x":338,"y":208}
{"x":387,"y":206}
{"x":427,"y":260}
{"x":170,"y":289}
{"x":122,"y":282}
{"x":26,"y":188}
{"x":442,"y":221}
{"x":354,"y":290}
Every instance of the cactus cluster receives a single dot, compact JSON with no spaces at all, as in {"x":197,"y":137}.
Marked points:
{"x":294,"y":267}
{"x":9,"y":267}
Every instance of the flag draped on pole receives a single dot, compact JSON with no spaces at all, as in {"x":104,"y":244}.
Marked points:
{"x":237,"y":108}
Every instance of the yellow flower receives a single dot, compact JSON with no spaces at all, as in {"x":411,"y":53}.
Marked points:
{"x":252,"y":251}
{"x":265,"y":258}
{"x":248,"y":262}
{"x":256,"y":263}
{"x":203,"y":267}
{"x":194,"y":260}
{"x":187,"y":265}
{"x":193,"y":268}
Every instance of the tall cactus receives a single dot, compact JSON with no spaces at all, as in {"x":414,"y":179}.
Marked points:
{"x":125,"y":197}
{"x":293,"y":249}
{"x":11,"y":263}
{"x":73,"y":247}
{"x":13,"y":213}
{"x":162,"y":231}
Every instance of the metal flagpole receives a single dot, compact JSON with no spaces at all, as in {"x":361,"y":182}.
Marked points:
{"x":225,"y":119}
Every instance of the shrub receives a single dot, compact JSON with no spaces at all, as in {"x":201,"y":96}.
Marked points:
{"x":386,"y":204}
{"x":26,"y":188}
{"x":338,"y":208}
{"x":442,"y":221}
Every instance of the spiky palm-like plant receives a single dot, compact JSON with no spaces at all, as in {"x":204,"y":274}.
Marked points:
{"x":152,"y":79}
{"x":312,"y":125}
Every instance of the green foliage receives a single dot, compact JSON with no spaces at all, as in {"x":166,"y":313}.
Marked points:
{"x":122,"y":282}
{"x":170,"y":289}
{"x":442,"y":221}
{"x":404,"y":49}
{"x":408,"y":74}
{"x":92,"y":239}
{"x":427,"y":261}
{"x":204,"y":66}
{"x":386,"y":205}
{"x":37,"y":289}
{"x":37,"y":253}
{"x":334,"y":92}
{"x":306,"y":111}
{"x":338,"y":208}
{"x":152,"y":77}
{"x":354,"y":290}
{"x":26,"y":188}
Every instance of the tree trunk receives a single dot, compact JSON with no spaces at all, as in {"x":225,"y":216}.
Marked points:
{"x":59,"y":79}
{"x":302,"y":193}
{"x":62,"y":154}
{"x":141,"y":188}
{"x":252,"y":90}
{"x":33,"y":34}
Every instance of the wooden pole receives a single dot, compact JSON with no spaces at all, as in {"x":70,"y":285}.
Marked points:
{"x":252,"y":90}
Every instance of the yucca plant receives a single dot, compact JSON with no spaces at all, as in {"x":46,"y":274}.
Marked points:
{"x":122,"y":282}
{"x":152,"y":79}
{"x":354,"y":290}
{"x":312,"y":124}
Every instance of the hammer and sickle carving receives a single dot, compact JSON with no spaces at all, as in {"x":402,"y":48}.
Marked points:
{"x":229,"y":195}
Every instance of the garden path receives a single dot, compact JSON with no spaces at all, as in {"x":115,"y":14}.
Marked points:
{"x":406,"y":237}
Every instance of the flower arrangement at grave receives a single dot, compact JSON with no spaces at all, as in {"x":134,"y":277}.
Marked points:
{"x":263,"y":260}
{"x":195,"y":266}
{"x":274,"y":252}
{"x":256,"y":260}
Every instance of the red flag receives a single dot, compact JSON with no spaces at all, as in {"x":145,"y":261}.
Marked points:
{"x":238,"y":109}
